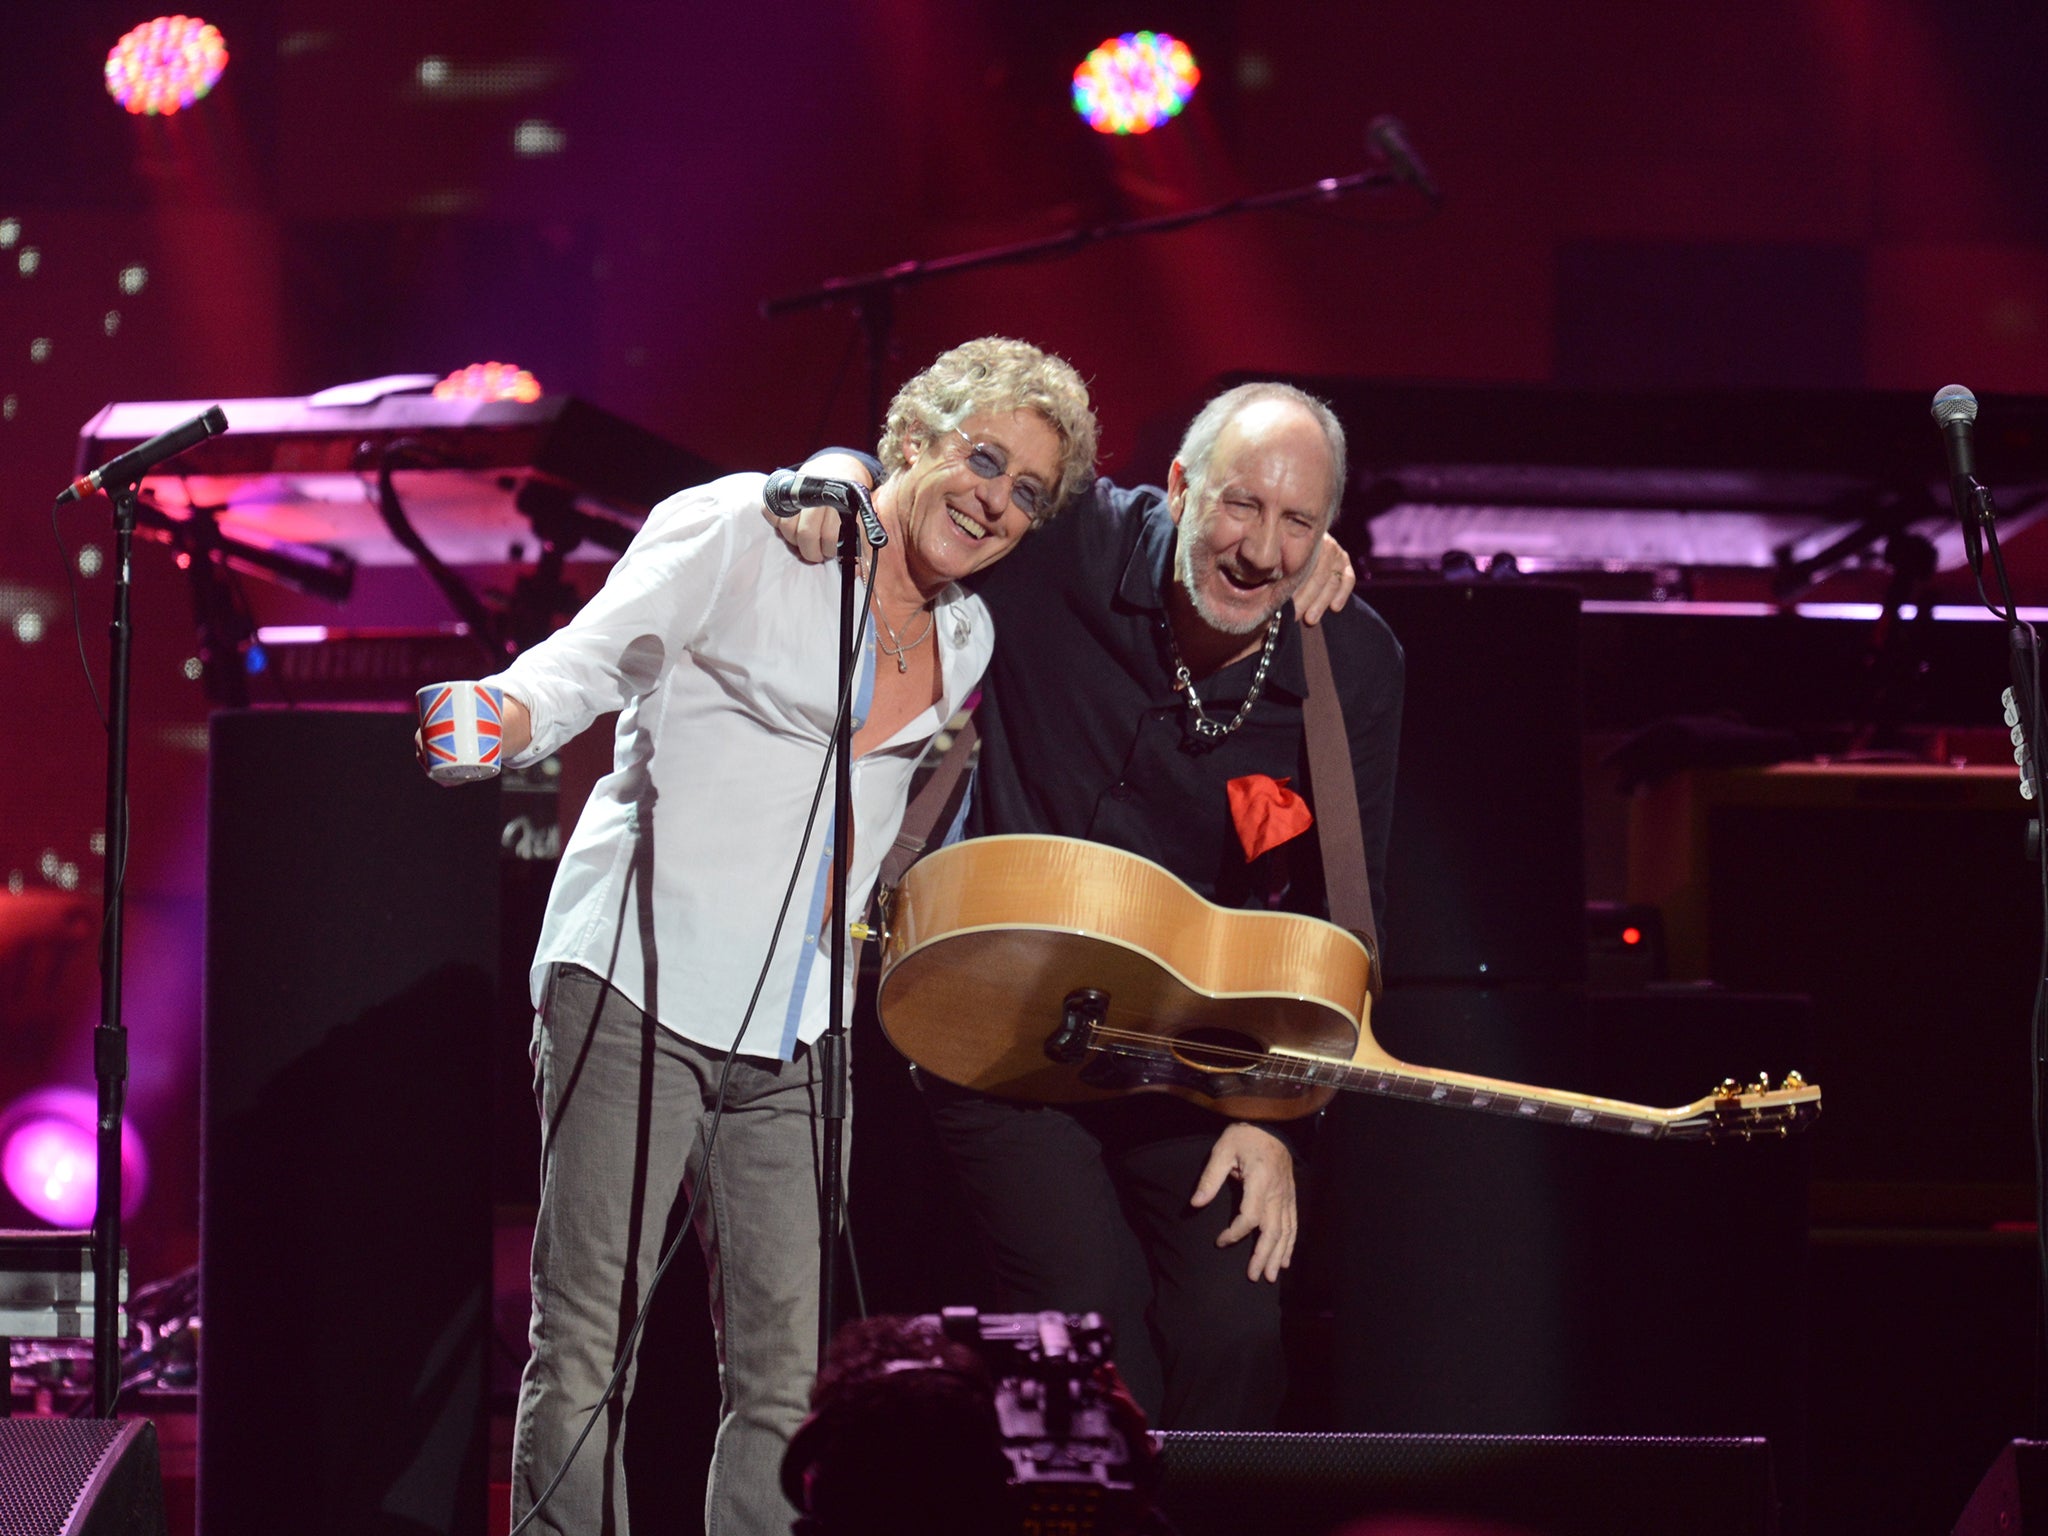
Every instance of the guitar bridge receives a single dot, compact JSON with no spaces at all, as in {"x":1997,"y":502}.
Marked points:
{"x":1080,"y":1016}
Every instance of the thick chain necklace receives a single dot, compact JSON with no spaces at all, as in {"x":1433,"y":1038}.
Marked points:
{"x":894,"y":645}
{"x":1184,"y":683}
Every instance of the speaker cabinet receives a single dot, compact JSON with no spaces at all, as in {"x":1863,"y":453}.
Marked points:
{"x":1523,"y":1485}
{"x":1485,"y":873}
{"x":345,"y":1225}
{"x":1900,"y":899}
{"x":80,"y":1477}
{"x":1490,"y":1276}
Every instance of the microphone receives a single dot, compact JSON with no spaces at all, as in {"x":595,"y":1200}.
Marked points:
{"x":1386,"y":134}
{"x":788,"y":492}
{"x":1955,"y":409}
{"x":127,"y":468}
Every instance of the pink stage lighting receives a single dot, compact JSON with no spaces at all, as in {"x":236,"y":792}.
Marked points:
{"x":1133,"y":83}
{"x":165,"y":64}
{"x":489,"y":381}
{"x":50,"y":1159}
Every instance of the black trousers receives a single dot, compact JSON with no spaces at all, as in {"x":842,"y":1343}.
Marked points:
{"x":1085,"y":1209}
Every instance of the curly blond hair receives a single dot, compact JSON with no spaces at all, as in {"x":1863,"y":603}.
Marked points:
{"x":998,"y":374}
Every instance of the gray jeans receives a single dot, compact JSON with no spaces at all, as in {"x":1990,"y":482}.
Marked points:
{"x":625,"y":1106}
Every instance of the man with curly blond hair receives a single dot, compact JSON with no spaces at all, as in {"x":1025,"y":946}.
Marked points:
{"x":716,"y":645}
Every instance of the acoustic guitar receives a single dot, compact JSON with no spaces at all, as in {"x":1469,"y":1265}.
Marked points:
{"x":1061,"y":971}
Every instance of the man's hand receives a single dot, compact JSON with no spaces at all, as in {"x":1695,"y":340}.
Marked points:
{"x":517,"y":729}
{"x":1328,"y":584}
{"x":814,"y":532}
{"x":1261,"y":1162}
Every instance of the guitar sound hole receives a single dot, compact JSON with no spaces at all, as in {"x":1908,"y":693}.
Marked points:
{"x":1217,"y":1050}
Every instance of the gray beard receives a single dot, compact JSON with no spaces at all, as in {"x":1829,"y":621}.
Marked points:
{"x":1184,"y":574}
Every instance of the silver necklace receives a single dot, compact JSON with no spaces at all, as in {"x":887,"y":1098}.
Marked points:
{"x":1184,"y":682}
{"x":894,"y":645}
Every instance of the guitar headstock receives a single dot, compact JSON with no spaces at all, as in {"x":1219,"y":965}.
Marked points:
{"x":1750,"y":1111}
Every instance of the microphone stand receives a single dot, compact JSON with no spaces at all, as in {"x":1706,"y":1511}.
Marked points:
{"x":873,"y":294}
{"x":1979,"y":517}
{"x":110,"y":1038}
{"x":854,"y":525}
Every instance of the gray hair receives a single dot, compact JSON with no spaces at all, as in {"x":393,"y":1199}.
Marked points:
{"x":995,"y":373}
{"x":1198,"y":446}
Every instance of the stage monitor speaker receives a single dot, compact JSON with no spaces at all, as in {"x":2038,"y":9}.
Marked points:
{"x":2013,"y":1498}
{"x":345,"y":1219}
{"x":80,"y":1477}
{"x":1521,"y":1485}
{"x":1485,"y":869}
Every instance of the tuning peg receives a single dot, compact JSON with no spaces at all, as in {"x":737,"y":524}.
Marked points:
{"x":1793,"y":1082}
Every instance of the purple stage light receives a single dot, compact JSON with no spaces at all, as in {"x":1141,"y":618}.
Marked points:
{"x":165,"y":64}
{"x":50,"y":1159}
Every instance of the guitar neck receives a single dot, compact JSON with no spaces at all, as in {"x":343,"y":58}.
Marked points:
{"x":1458,"y":1090}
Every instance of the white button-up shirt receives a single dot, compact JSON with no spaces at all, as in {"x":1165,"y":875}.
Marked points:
{"x":716,"y":644}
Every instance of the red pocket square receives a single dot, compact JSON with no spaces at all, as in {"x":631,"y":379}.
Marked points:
{"x":1267,"y":812}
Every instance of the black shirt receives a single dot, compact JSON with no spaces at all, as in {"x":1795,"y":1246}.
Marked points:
{"x":1083,"y":734}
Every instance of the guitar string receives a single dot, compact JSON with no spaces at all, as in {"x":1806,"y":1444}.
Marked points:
{"x":1278,"y":1066}
{"x":1389,"y":1083}
{"x":1486,"y":1100}
{"x":1295,"y":1069}
{"x":1294,"y":1065}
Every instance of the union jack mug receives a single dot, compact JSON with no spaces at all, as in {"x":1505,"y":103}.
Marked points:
{"x":462,"y":731}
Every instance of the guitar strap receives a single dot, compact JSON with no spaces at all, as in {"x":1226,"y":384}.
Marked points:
{"x":1338,"y":827}
{"x":932,"y":810}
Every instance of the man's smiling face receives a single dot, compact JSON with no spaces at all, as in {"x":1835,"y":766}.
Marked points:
{"x":1249,"y":530}
{"x":955,"y":521}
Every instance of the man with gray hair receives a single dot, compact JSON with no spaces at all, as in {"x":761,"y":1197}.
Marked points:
{"x":674,"y":1003}
{"x":1146,"y":673}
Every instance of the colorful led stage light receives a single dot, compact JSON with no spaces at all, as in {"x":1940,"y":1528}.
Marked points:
{"x":165,"y":64}
{"x":1133,"y":83}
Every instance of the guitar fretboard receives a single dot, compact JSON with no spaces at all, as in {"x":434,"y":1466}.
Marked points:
{"x":1518,"y":1103}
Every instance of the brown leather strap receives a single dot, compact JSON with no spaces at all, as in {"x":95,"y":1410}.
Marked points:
{"x":937,"y":801}
{"x":1336,"y":806}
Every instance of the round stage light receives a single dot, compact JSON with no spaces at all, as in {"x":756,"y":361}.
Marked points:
{"x":165,"y":64}
{"x":489,"y":381}
{"x":49,"y":1157}
{"x":1133,"y":83}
